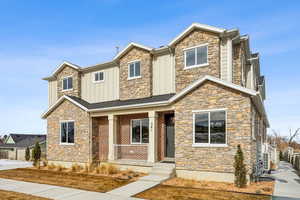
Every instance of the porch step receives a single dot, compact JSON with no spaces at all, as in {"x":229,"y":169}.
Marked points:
{"x":164,"y":170}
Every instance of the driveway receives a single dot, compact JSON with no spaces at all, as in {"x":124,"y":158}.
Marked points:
{"x":287,"y":183}
{"x":13,"y":164}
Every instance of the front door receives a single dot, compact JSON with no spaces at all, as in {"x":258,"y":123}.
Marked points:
{"x":169,"y":131}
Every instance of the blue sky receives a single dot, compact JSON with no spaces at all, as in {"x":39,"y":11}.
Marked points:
{"x":36,"y":36}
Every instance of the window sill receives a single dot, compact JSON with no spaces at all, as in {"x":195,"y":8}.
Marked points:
{"x":139,"y":144}
{"x":67,"y":90}
{"x":210,"y":145}
{"x":98,"y":81}
{"x":135,"y":77}
{"x":67,"y":144}
{"x":195,"y":66}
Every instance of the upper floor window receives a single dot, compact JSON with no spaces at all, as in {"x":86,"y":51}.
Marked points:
{"x":67,"y":132}
{"x":98,"y":76}
{"x":134,"y":70}
{"x":67,"y":83}
{"x":196,"y":56}
{"x":140,"y":131}
{"x":210,"y":128}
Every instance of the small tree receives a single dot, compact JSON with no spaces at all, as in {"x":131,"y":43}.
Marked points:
{"x":36,"y":153}
{"x":27,"y":154}
{"x":240,"y":169}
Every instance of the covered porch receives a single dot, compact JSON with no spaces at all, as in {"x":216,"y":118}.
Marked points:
{"x":140,"y":139}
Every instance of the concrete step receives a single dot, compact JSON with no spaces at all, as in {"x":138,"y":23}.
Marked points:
{"x":155,"y":178}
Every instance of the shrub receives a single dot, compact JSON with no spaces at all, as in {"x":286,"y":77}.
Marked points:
{"x":75,"y":167}
{"x":111,"y":169}
{"x":281,"y":156}
{"x":60,"y":168}
{"x":36,"y":153}
{"x":51,"y":166}
{"x":45,"y":163}
{"x":27,"y":154}
{"x":239,"y":169}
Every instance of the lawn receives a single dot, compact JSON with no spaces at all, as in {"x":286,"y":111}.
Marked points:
{"x":7,"y":195}
{"x":163,"y":192}
{"x":66,"y":179}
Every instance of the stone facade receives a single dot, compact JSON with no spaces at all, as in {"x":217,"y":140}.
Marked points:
{"x":214,"y":159}
{"x":65,"y":72}
{"x":185,"y":77}
{"x":139,"y":87}
{"x":239,"y":61}
{"x":80,"y":151}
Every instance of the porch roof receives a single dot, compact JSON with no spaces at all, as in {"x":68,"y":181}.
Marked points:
{"x":117,"y":103}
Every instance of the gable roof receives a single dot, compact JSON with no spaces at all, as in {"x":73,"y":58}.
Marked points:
{"x":60,"y":67}
{"x":160,"y":100}
{"x":129,"y":47}
{"x":196,"y":26}
{"x":24,"y":140}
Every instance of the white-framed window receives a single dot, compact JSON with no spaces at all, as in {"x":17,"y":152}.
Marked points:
{"x":67,"y":132}
{"x":196,"y":56}
{"x":98,"y":77}
{"x":134,"y":69}
{"x":140,"y":131}
{"x":209,"y":128}
{"x":67,"y":83}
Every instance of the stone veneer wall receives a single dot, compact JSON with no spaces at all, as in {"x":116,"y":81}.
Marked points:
{"x":69,"y":71}
{"x":80,"y":151}
{"x":214,"y":159}
{"x":238,"y":54}
{"x":185,"y":77}
{"x":139,"y":87}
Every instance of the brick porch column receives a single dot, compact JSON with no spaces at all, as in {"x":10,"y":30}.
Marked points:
{"x":112,"y":132}
{"x":152,"y":147}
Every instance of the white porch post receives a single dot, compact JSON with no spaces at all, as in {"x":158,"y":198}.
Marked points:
{"x":112,"y":128}
{"x":152,"y":147}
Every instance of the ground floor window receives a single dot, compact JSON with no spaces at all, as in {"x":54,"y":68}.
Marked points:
{"x":67,"y":132}
{"x":209,"y":127}
{"x":140,"y":131}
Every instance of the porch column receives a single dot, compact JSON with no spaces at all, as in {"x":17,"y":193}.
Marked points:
{"x":152,"y":147}
{"x":112,"y":132}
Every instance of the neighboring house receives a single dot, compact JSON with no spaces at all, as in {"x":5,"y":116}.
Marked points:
{"x":15,"y":145}
{"x":190,"y":102}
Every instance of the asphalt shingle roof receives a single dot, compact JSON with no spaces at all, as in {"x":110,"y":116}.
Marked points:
{"x":116,"y":103}
{"x":25,"y":140}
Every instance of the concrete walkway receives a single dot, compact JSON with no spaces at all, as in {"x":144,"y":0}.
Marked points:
{"x":139,"y":186}
{"x":287,"y":183}
{"x":13,"y":164}
{"x":56,"y":192}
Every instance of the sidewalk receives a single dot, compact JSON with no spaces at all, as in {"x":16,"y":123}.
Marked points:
{"x":287,"y":183}
{"x":56,"y":192}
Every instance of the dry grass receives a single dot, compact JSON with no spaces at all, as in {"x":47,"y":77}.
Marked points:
{"x":163,"y":192}
{"x":82,"y":181}
{"x":263,"y":187}
{"x":7,"y":195}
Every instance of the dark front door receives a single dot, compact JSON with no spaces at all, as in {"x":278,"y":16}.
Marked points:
{"x":170,"y":143}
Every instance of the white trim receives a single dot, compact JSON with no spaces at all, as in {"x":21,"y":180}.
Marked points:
{"x":99,"y":81}
{"x":196,"y":26}
{"x":209,"y":144}
{"x":134,"y":66}
{"x":141,"y":133}
{"x":66,"y":121}
{"x":196,"y":65}
{"x":62,"y":83}
{"x":129,"y":46}
{"x":131,"y":145}
{"x":62,"y":65}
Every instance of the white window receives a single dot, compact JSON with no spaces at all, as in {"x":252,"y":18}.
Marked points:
{"x":67,"y":83}
{"x":98,"y":77}
{"x":196,"y":56}
{"x":134,"y":70}
{"x":67,"y":132}
{"x":209,"y":128}
{"x":140,"y":131}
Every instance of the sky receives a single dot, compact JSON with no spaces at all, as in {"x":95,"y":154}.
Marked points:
{"x":36,"y":36}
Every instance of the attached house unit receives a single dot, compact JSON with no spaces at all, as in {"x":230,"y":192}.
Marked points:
{"x":15,"y":144}
{"x":190,"y":103}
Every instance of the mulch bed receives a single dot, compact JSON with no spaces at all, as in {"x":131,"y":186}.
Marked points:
{"x":65,"y":179}
{"x":7,"y":195}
